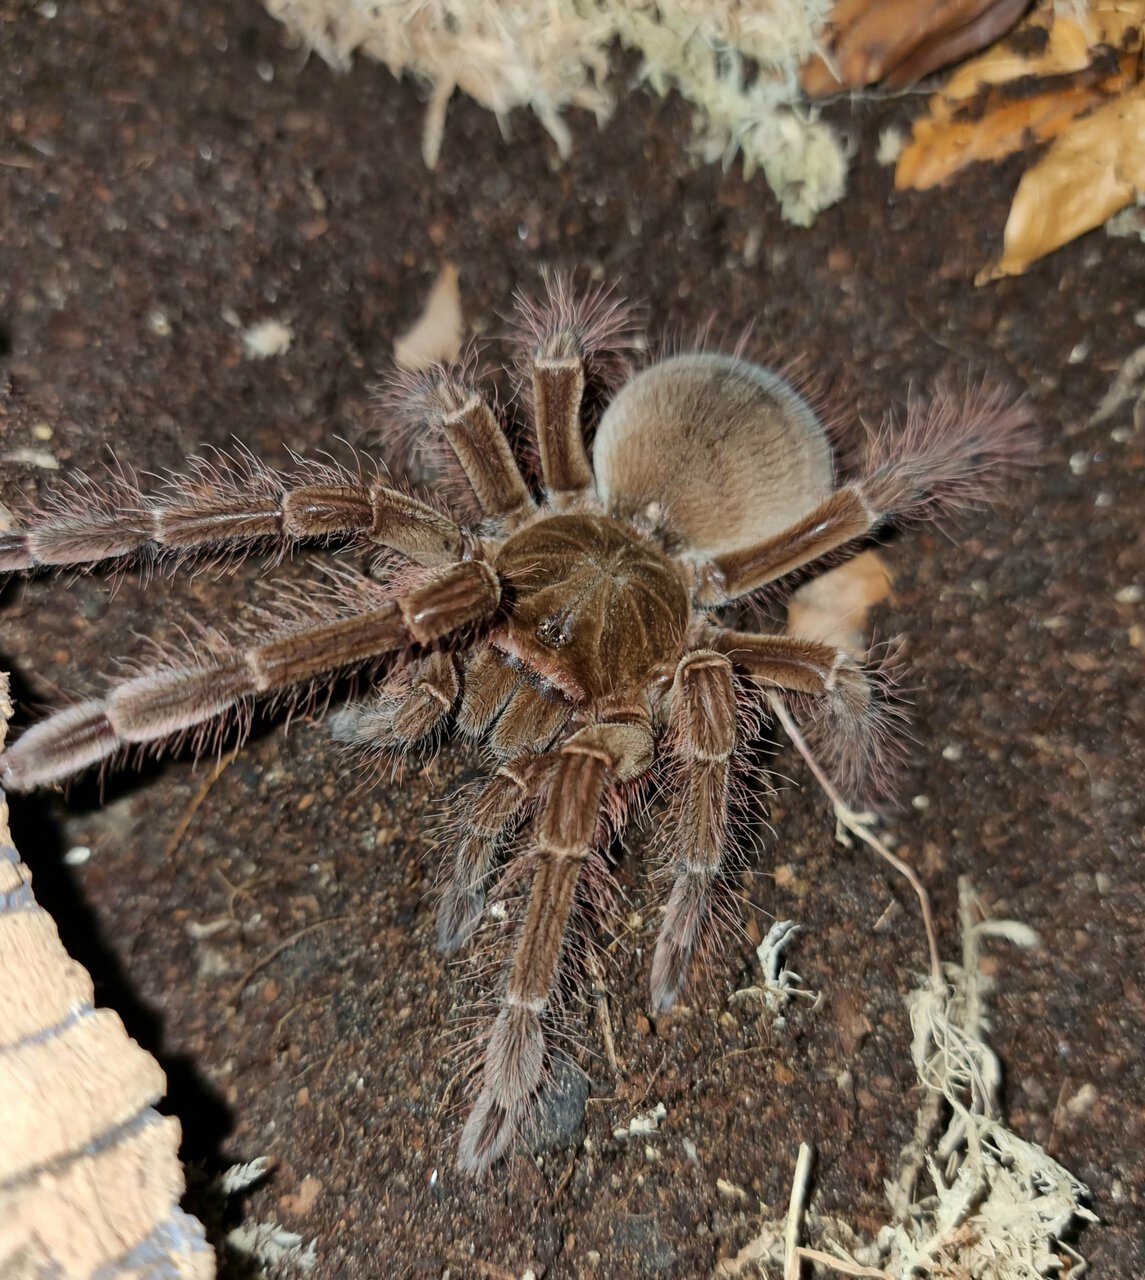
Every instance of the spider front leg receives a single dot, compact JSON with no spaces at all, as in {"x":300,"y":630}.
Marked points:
{"x":568,"y":833}
{"x":949,"y":453}
{"x":395,"y":720}
{"x":704,"y":737}
{"x":187,"y":696}
{"x":476,"y":841}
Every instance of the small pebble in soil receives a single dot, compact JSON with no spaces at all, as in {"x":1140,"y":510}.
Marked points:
{"x":561,"y":1107}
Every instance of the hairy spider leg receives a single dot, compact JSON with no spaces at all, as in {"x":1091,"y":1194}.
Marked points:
{"x":703,"y":738}
{"x":167,"y":704}
{"x":228,"y":504}
{"x":946,"y":456}
{"x":852,"y":711}
{"x":568,"y":831}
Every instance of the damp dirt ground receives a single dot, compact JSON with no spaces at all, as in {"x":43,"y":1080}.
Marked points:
{"x":268,"y":933}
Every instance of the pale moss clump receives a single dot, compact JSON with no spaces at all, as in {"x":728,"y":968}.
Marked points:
{"x":554,"y":55}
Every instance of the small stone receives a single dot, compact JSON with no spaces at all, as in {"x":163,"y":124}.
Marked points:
{"x":1130,"y":595}
{"x":559,"y":1117}
{"x":77,"y":855}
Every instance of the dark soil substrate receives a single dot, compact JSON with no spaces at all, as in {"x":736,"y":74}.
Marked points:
{"x":165,"y":163}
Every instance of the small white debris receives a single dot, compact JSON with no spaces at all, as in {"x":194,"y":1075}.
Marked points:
{"x":33,"y":458}
{"x":952,"y":752}
{"x":730,"y":1190}
{"x":269,"y":1244}
{"x":1082,"y":1101}
{"x":1079,"y":463}
{"x":497,"y":911}
{"x":436,"y":334}
{"x":1103,"y":500}
{"x":779,"y":984}
{"x":891,"y":142}
{"x":920,"y":802}
{"x":1014,"y":932}
{"x":200,"y":932}
{"x":77,"y":855}
{"x":691,"y":1151}
{"x":1079,"y":354}
{"x":158,"y":323}
{"x":241,"y":1177}
{"x":1130,"y":595}
{"x":41,"y":431}
{"x":644,"y":1122}
{"x":651,"y":1154}
{"x":267,"y":338}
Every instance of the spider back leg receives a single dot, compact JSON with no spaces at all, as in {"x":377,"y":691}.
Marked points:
{"x":568,"y":831}
{"x":949,"y":454}
{"x":573,"y":346}
{"x":704,"y":740}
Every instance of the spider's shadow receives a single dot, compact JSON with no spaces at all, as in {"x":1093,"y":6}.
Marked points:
{"x":37,"y":826}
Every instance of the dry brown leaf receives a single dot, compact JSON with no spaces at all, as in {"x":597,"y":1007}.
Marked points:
{"x":867,"y":39}
{"x":1069,"y":53}
{"x":940,"y":148}
{"x":833,"y":607}
{"x":1088,"y":174}
{"x":436,"y":334}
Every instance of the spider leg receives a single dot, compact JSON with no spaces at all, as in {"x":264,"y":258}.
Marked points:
{"x":443,"y":401}
{"x":394,"y":721}
{"x":704,"y":736}
{"x":227,"y":504}
{"x":183,"y":698}
{"x":853,"y":726}
{"x":568,"y":831}
{"x":558,"y":390}
{"x":568,"y":343}
{"x":945,"y":457}
{"x":477,"y":839}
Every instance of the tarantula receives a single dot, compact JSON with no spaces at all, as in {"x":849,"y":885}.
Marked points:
{"x":580,"y":628}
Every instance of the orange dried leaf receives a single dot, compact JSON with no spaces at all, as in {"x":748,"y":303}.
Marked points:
{"x":1094,"y":169}
{"x":940,"y":148}
{"x":833,"y":607}
{"x":1061,"y":51}
{"x":1068,"y":46}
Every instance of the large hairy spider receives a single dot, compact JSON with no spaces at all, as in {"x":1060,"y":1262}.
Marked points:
{"x":580,"y":628}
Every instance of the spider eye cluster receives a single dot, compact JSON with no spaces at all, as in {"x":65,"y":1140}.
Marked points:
{"x":555,"y":631}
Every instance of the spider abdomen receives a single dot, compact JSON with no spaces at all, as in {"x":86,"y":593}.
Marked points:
{"x":594,"y":608}
{"x":713,"y":451}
